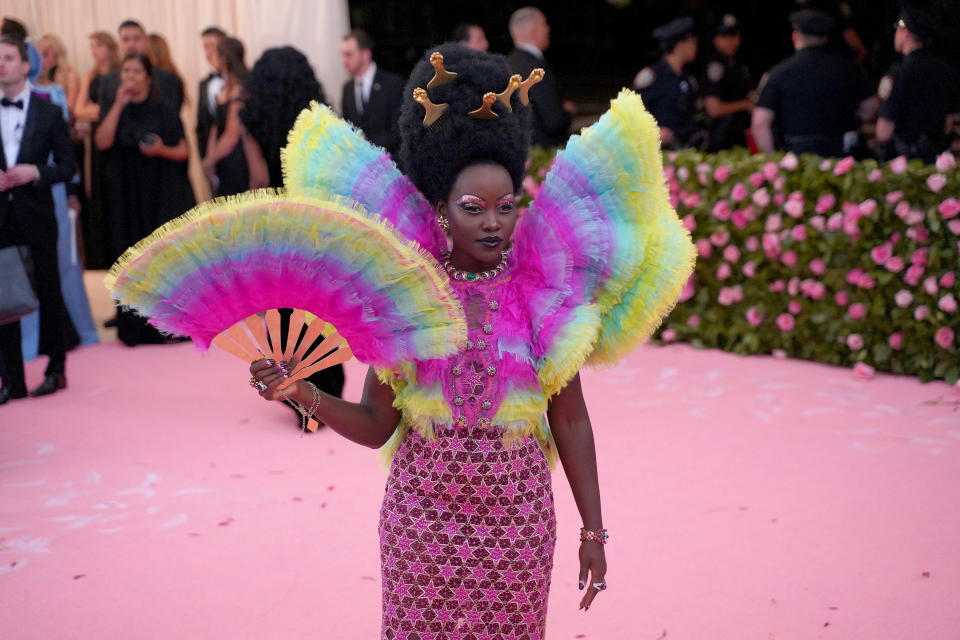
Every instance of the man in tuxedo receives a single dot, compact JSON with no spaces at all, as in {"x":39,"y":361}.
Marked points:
{"x":209,"y":87}
{"x":551,"y":115}
{"x":372,"y":97}
{"x":133,"y":39}
{"x":31,"y":129}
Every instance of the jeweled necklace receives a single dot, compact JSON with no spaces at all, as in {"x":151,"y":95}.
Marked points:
{"x":474,"y":276}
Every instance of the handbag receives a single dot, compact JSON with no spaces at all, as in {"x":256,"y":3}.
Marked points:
{"x":17,"y":294}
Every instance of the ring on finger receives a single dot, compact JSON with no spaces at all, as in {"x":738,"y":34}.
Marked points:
{"x":261,"y":385}
{"x":600,"y":586}
{"x":253,"y":381}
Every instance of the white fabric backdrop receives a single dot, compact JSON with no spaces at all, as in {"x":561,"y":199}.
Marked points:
{"x":315,"y":27}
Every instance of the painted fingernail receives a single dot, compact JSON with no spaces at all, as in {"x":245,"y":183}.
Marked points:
{"x":588,"y":608}
{"x":581,"y":585}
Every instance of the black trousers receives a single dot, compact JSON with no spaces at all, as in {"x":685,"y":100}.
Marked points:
{"x":57,"y":334}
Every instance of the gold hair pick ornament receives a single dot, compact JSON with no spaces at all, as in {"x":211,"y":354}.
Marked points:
{"x":512,"y":85}
{"x":432,"y":111}
{"x":440,"y":75}
{"x":535,"y":76}
{"x":486,"y":111}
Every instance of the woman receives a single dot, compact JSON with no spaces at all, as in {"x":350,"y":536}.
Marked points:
{"x":56,"y":69}
{"x":467,"y":526}
{"x":146,"y":176}
{"x":106,"y":59}
{"x":159,"y":54}
{"x":226,"y":163}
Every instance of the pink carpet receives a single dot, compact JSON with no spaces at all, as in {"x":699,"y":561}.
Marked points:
{"x":747,"y":498}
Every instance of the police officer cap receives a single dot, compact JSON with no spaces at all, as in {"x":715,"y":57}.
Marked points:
{"x":727,"y":25}
{"x":919,"y":22}
{"x":673,"y":32}
{"x":811,"y":22}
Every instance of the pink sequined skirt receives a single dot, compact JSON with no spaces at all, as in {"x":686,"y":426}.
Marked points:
{"x":467,"y":531}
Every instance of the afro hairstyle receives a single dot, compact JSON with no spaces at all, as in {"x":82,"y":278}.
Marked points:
{"x":432,"y":157}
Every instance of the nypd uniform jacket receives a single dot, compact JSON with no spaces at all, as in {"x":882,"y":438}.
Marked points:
{"x":814,"y":95}
{"x":917,"y":94}
{"x":670,"y":98}
{"x":727,"y":81}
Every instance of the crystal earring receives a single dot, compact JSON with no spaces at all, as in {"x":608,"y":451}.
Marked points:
{"x":443,"y":222}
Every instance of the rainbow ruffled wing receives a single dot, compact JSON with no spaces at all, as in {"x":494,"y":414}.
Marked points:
{"x":326,"y":153}
{"x":602,"y":238}
{"x":229,"y":259}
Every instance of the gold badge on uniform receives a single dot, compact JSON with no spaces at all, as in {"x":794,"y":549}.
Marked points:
{"x":645,"y":78}
{"x":715,"y":71}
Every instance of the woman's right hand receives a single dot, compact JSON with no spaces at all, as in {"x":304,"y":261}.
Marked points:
{"x":270,"y":373}
{"x":124,"y":94}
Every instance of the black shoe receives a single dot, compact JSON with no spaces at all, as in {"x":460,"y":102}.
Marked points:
{"x":14,"y":392}
{"x":52,"y":383}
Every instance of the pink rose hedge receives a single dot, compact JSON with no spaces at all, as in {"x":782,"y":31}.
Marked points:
{"x":837,"y":261}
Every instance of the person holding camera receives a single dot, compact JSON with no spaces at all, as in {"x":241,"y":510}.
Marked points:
{"x":146,"y":170}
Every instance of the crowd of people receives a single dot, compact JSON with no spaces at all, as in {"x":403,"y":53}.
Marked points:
{"x":128,"y":149}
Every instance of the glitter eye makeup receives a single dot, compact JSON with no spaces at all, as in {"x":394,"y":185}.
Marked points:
{"x":471,"y":199}
{"x":506,"y":199}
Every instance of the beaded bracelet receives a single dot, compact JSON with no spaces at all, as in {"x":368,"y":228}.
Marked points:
{"x":600,"y":535}
{"x":304,"y":413}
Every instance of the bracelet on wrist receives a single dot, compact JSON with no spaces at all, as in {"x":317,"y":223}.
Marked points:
{"x":600,"y":535}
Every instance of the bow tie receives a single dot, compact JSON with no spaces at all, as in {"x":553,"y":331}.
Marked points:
{"x":18,"y":104}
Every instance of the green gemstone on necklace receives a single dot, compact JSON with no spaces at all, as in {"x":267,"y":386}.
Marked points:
{"x":471,"y":276}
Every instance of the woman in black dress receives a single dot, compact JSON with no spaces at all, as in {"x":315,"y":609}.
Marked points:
{"x":146,"y":170}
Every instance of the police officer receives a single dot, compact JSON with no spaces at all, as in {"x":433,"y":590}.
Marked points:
{"x":668,"y":92}
{"x":814,"y":96}
{"x":919,"y":96}
{"x":726,"y":86}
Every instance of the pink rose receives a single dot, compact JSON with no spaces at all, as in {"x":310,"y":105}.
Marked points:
{"x":726,"y":296}
{"x":721,"y":210}
{"x":761,"y":198}
{"x":895,"y":264}
{"x":898,"y":165}
{"x":723,"y":271}
{"x":793,"y":287}
{"x":949,"y":208}
{"x":703,"y":167}
{"x":896,"y":340}
{"x":881,"y":253}
{"x":672,"y":156}
{"x":913,"y":275}
{"x":693,"y":321}
{"x":825,"y":203}
{"x":817,"y":291}
{"x":866,"y":282}
{"x":738,"y":193}
{"x":817,"y":267}
{"x":954,"y":226}
{"x":689,"y":222}
{"x":850,"y":228}
{"x":903,"y":298}
{"x":875,"y":175}
{"x":793,"y":208}
{"x":752,"y":244}
{"x":683,"y":173}
{"x":835,"y":222}
{"x":789,"y":161}
{"x":894,"y":196}
{"x":863,"y":371}
{"x":894,"y":238}
{"x":669,"y":335}
{"x":921,"y":312}
{"x":794,"y":307}
{"x":789,"y":258}
{"x":944,"y":337}
{"x":778,"y":184}
{"x":691,"y":200}
{"x":844,"y":166}
{"x":777,"y":286}
{"x":799,"y":233}
{"x":867,"y":207}
{"x":948,"y":279}
{"x":770,"y":170}
{"x":785,"y":322}
{"x":825,"y":165}
{"x":731,"y":254}
{"x":841,"y":298}
{"x":755,"y":179}
{"x":704,"y":248}
{"x":853,"y":276}
{"x":818,"y":222}
{"x":669,"y":171}
{"x":688,"y":290}
{"x":771,"y":245}
{"x":857,"y":311}
{"x":739,"y":219}
{"x":755,"y":317}
{"x":721,"y":173}
{"x":737,"y":293}
{"x":855,"y":341}
{"x":945,"y":161}
{"x":930,"y":286}
{"x":720,"y":238}
{"x":773,"y":222}
{"x":936,"y":182}
{"x":919,"y":234}
{"x":749,"y":268}
{"x":948,"y":303}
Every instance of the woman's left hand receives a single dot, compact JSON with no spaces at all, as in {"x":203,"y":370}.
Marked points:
{"x":593,"y":565}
